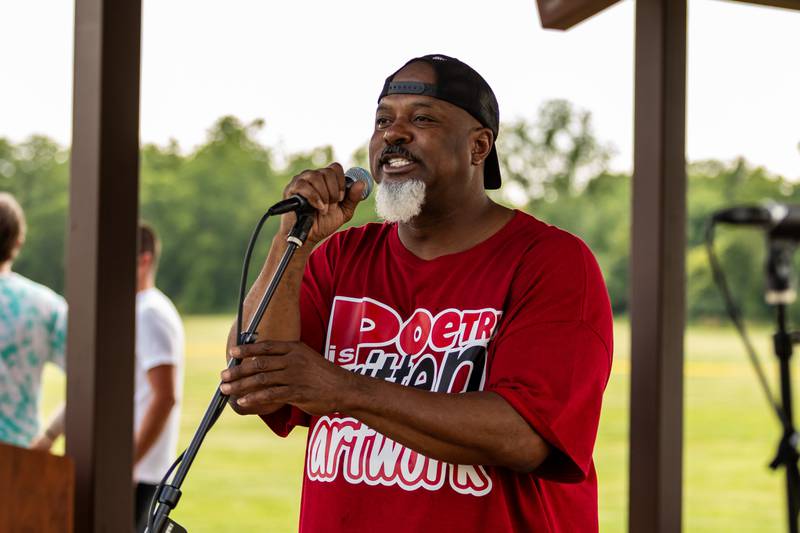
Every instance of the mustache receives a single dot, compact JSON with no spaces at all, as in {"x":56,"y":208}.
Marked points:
{"x":396,"y":149}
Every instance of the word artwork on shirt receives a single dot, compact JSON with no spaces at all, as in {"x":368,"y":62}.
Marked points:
{"x":365,"y":456}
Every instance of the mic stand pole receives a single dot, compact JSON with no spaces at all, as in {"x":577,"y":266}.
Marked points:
{"x":170,"y":493}
{"x":779,"y":269}
{"x":787,"y":454}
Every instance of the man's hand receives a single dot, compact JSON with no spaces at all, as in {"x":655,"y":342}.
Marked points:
{"x":324,"y":188}
{"x":42,"y":443}
{"x":470,"y":428}
{"x":53,"y":429}
{"x":274,"y":373}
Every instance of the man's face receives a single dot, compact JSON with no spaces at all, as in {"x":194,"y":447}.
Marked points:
{"x":423,"y":138}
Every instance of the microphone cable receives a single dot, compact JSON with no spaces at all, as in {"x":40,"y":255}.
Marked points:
{"x":735,"y":315}
{"x":352,"y":176}
{"x":239,"y":320}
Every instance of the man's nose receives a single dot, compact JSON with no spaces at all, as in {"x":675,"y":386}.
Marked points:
{"x":398,"y":133}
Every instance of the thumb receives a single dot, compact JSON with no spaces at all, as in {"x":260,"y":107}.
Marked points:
{"x":353,"y":197}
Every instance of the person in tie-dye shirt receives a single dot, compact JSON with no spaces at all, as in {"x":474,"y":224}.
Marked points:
{"x":33,"y":324}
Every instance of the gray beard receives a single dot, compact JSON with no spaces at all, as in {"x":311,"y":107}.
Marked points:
{"x":400,"y":201}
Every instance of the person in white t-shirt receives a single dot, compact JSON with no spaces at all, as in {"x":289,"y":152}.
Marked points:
{"x":159,"y":379}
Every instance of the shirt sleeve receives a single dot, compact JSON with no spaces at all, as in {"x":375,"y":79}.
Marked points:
{"x":551,"y":358}
{"x":155,"y":343}
{"x":315,"y":296}
{"x":57,"y":331}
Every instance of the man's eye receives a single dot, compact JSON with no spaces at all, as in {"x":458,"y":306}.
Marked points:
{"x":381,"y":122}
{"x":423,"y":118}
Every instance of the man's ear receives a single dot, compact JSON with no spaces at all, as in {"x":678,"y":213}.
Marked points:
{"x":145,"y":259}
{"x":482,"y":141}
{"x":18,"y":246}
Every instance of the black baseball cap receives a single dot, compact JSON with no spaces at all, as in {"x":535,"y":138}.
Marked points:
{"x":457,"y":83}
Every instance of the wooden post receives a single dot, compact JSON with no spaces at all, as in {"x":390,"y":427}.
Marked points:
{"x":101,"y":261}
{"x":658,"y":244}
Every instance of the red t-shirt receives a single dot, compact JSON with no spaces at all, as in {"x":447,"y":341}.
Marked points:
{"x":524,"y":314}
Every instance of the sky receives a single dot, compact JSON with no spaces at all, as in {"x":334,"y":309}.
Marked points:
{"x":313,"y":69}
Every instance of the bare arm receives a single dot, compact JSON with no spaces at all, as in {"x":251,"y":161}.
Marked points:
{"x":52,"y":430}
{"x":325,"y":190}
{"x":283,"y":320}
{"x":162,"y":383}
{"x":472,"y":428}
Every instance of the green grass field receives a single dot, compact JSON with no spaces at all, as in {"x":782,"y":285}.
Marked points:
{"x":247,"y":479}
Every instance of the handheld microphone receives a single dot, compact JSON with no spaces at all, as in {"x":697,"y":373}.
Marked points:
{"x":780,"y":220}
{"x":296,"y":202}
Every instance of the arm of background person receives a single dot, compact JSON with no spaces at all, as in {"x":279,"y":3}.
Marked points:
{"x":162,"y":383}
{"x":57,"y":355}
{"x":52,"y":430}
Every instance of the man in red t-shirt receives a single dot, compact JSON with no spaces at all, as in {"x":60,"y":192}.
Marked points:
{"x":450,"y":362}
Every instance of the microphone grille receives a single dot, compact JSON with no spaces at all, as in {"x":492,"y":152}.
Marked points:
{"x":356,"y":174}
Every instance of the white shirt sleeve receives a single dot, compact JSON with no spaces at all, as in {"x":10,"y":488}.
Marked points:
{"x":155,"y":340}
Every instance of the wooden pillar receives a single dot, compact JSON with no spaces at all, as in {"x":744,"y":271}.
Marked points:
{"x":101,"y":256}
{"x":658,"y":267}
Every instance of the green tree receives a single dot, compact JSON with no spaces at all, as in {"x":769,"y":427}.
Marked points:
{"x":36,"y":173}
{"x":205,"y":203}
{"x":204,"y":206}
{"x":555,"y":155}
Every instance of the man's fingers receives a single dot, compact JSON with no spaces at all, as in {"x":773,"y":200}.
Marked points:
{"x":338,"y":169}
{"x":340,"y":180}
{"x":249,"y":384}
{"x":334,"y":184}
{"x":260,"y":348}
{"x":321,"y":187}
{"x":253,"y":365}
{"x":264,"y":396}
{"x":311,"y":186}
{"x":354,"y":197}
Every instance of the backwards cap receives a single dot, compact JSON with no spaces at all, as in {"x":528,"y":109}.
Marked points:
{"x":458,"y":84}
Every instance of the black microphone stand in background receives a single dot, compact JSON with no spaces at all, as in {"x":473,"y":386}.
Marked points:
{"x":780,"y":293}
{"x":781,"y":223}
{"x":169,"y":493}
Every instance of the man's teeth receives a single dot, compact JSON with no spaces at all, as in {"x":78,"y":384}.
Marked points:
{"x":398,"y":162}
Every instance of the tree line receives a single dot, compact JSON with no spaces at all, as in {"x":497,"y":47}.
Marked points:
{"x":205,"y":202}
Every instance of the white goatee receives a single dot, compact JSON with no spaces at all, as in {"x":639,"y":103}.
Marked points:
{"x":399,"y":201}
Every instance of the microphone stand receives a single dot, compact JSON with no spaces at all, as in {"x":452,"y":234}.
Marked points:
{"x":170,"y":493}
{"x":779,"y":267}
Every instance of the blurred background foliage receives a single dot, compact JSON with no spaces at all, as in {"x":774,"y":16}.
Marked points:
{"x":205,"y":202}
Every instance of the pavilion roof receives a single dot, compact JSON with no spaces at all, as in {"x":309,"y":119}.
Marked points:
{"x":564,"y":14}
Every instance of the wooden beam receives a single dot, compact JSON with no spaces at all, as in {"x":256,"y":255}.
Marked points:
{"x":787,"y":4}
{"x":101,"y":261}
{"x":658,"y":267}
{"x":563,"y":14}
